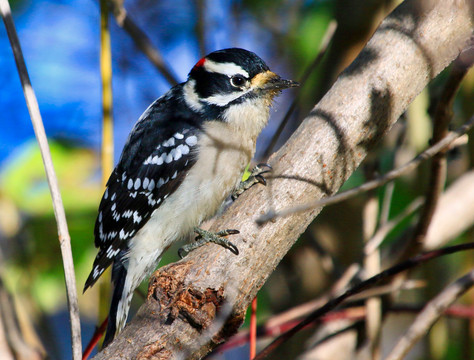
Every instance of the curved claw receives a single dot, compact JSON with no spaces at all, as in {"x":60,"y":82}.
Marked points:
{"x":232,"y":248}
{"x":265,"y":165}
{"x":254,"y":178}
{"x":259,"y":169}
{"x":260,"y":179}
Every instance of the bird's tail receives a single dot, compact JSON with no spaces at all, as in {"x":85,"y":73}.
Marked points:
{"x":120,"y":303}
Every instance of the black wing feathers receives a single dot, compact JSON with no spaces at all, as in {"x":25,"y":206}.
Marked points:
{"x":158,"y":153}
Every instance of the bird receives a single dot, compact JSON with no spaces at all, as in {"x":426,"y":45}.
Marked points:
{"x":183,"y":158}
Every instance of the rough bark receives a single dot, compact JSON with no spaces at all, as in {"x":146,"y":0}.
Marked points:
{"x":200,"y":301}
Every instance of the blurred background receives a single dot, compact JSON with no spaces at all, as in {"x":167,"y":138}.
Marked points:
{"x":60,"y":41}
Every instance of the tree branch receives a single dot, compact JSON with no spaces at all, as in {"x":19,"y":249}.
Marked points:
{"x":416,"y":42}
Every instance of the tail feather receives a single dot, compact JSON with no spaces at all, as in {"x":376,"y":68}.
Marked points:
{"x":125,"y":279}
{"x":118,"y":310}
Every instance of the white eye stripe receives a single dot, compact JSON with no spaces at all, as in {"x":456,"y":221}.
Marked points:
{"x":223,"y":99}
{"x":228,"y":69}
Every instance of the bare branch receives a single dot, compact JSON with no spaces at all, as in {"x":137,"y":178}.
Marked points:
{"x":410,"y":48}
{"x":430,"y":314}
{"x":371,"y":262}
{"x":142,"y":41}
{"x":64,"y":238}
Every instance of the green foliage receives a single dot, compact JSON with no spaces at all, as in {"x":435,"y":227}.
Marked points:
{"x":25,"y":182}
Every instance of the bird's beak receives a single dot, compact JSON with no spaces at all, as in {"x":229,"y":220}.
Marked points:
{"x":271,"y":81}
{"x":277,"y":83}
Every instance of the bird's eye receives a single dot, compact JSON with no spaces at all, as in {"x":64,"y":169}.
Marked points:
{"x":237,"y":81}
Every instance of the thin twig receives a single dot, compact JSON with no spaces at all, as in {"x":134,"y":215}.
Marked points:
{"x":371,"y":262}
{"x":200,"y":27}
{"x":430,"y":314}
{"x":107,"y":156}
{"x":107,"y":153}
{"x":385,"y":229}
{"x":384,"y":275}
{"x":324,"y":45}
{"x":64,"y":238}
{"x":386,"y":203}
{"x":370,"y":185}
{"x":253,"y":329}
{"x":298,"y":312}
{"x":142,"y":41}
{"x":389,"y":189}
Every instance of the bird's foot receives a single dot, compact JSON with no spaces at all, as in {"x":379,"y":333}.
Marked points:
{"x":205,"y":237}
{"x":254,"y":178}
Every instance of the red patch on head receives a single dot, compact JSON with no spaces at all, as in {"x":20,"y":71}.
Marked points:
{"x":200,"y":63}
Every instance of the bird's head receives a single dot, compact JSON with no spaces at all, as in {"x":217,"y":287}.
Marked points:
{"x":230,"y":77}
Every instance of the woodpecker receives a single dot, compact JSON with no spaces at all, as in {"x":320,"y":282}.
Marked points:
{"x":185,"y":155}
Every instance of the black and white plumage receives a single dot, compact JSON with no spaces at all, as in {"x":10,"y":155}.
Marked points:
{"x":183,"y":158}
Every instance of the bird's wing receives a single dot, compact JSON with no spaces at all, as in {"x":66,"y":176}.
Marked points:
{"x":153,"y":164}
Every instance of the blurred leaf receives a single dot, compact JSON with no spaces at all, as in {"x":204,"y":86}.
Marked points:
{"x":23,"y":179}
